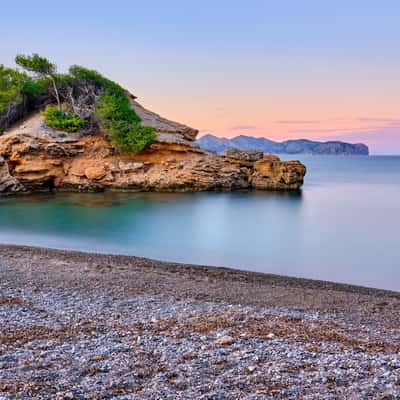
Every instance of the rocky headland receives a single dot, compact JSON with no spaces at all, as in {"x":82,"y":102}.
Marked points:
{"x":35,"y":157}
{"x":295,"y":146}
{"x":80,"y":131}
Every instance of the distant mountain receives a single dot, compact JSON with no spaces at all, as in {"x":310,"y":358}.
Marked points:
{"x":298,"y":146}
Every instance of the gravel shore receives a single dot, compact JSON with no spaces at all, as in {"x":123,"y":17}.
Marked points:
{"x":89,"y":326}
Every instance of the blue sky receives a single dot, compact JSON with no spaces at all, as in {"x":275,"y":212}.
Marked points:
{"x":224,"y":65}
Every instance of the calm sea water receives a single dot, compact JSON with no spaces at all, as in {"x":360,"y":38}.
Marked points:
{"x":343,"y":226}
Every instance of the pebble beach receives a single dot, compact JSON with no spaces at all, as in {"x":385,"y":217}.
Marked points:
{"x":89,"y":326}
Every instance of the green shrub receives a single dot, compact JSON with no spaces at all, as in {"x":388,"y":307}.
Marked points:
{"x":122,"y":123}
{"x":59,"y":119}
{"x":130,"y":138}
{"x":112,"y":108}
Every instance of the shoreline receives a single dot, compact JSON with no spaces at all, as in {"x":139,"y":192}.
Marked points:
{"x":245,"y":276}
{"x":77,"y":325}
{"x":214,"y":283}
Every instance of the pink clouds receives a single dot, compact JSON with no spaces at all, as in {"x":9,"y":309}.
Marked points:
{"x":297,"y":121}
{"x":243,"y":127}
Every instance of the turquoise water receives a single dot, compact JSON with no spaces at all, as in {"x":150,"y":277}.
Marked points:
{"x":343,"y":226}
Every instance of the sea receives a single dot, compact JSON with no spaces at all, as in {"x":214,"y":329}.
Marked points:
{"x":343,"y":225}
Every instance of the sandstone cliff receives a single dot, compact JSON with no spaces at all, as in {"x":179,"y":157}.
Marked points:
{"x":34,"y":157}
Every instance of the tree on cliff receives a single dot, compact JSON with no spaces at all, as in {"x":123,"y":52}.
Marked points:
{"x":43,"y":68}
{"x":90,"y":101}
{"x":11,"y":85}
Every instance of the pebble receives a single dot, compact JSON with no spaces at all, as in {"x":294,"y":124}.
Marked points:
{"x":225,"y":341}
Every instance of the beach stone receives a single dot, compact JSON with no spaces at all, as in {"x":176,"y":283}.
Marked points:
{"x":225,"y":341}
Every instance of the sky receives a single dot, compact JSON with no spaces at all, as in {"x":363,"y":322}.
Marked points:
{"x":323,"y":70}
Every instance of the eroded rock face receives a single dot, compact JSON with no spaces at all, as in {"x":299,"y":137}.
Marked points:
{"x":7,"y":182}
{"x":273,"y":174}
{"x":36,"y":158}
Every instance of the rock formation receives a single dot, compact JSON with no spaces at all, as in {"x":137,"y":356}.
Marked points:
{"x":34,"y":157}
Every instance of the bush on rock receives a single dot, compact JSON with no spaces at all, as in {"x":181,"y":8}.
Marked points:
{"x":85,"y":101}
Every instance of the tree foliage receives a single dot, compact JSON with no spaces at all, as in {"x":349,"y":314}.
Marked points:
{"x":36,"y":64}
{"x":12,"y":83}
{"x":42,"y":67}
{"x":85,"y":100}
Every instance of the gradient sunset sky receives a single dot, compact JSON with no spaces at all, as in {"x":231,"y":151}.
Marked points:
{"x":280,"y":69}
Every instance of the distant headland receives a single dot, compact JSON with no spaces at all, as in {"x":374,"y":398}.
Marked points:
{"x":297,"y":146}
